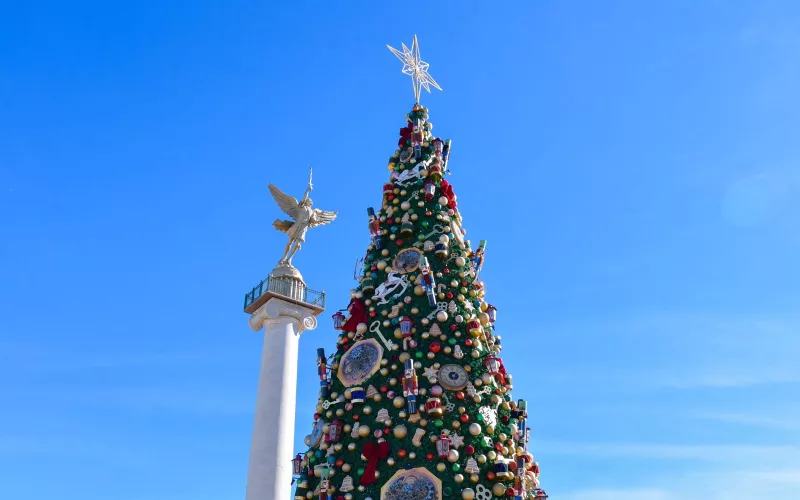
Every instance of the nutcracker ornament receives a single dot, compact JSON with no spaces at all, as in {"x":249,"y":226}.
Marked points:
{"x":322,"y":371}
{"x":446,"y":154}
{"x":324,"y":485}
{"x":428,"y":281}
{"x":477,"y":258}
{"x":406,"y":327}
{"x":410,"y":387}
{"x":375,"y":226}
{"x":417,"y":136}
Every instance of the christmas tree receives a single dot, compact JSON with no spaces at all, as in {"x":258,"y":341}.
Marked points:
{"x":415,"y":403}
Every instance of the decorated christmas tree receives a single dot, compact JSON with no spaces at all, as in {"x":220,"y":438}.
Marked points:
{"x":415,"y":403}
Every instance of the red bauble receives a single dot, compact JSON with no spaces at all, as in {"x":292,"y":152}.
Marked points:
{"x":399,"y":243}
{"x":460,"y":396}
{"x":316,"y":416}
{"x":512,"y":466}
{"x":384,"y":388}
{"x":510,"y":491}
{"x":447,"y":271}
{"x":372,"y":314}
{"x":454,"y":327}
{"x":435,"y":347}
{"x":505,"y":419}
{"x":355,"y":417}
{"x":429,"y":456}
{"x":464,"y":418}
{"x":468,"y":342}
{"x":450,"y":295}
{"x":469,"y":450}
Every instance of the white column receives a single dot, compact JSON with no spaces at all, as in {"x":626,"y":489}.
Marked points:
{"x":269,"y":476}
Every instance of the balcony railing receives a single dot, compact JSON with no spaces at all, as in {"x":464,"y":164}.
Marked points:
{"x":286,"y":287}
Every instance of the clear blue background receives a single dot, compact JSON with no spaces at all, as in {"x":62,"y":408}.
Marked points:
{"x":633,"y":165}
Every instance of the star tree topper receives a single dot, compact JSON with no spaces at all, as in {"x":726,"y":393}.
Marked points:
{"x":416,"y":68}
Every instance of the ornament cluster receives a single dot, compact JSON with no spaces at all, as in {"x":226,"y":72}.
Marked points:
{"x":416,"y":403}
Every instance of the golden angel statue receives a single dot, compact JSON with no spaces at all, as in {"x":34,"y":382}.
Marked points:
{"x":303,"y":216}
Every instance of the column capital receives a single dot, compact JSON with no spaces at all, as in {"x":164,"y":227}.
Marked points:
{"x":277,"y":310}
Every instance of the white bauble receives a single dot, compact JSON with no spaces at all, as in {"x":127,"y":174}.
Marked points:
{"x":475,"y":428}
{"x":441,"y":316}
{"x":452,"y":457}
{"x":499,"y":489}
{"x":468,"y":494}
{"x":400,"y":432}
{"x":361,"y":328}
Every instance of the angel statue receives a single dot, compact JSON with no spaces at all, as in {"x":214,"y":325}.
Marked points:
{"x":303,"y":217}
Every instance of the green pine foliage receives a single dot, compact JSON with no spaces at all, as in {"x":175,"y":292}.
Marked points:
{"x":476,"y":413}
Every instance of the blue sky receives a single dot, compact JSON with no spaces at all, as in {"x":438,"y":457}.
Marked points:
{"x":633,"y":165}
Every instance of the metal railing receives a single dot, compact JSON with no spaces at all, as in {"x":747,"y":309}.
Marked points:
{"x":287,"y":287}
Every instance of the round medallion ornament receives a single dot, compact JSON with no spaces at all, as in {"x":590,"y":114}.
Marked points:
{"x":412,"y":484}
{"x":313,"y":439}
{"x":453,"y":377}
{"x":360,"y":362}
{"x":407,"y":260}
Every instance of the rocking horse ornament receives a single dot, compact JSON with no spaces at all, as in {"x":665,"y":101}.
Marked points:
{"x":303,"y":218}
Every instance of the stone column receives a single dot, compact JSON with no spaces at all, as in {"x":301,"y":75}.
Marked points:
{"x":269,"y":476}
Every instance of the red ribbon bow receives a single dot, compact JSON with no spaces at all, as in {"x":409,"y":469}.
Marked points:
{"x":373,"y":452}
{"x":405,"y":134}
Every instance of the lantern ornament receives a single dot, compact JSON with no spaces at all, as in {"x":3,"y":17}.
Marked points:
{"x":297,"y":465}
{"x":443,"y":445}
{"x":492,"y":312}
{"x":540,"y":495}
{"x":429,"y":188}
{"x":338,"y":319}
{"x":495,"y":367}
{"x":334,"y":431}
{"x":405,"y":326}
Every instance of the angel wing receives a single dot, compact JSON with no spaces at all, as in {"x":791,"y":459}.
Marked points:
{"x":286,"y":203}
{"x":283,"y":225}
{"x":321,"y":217}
